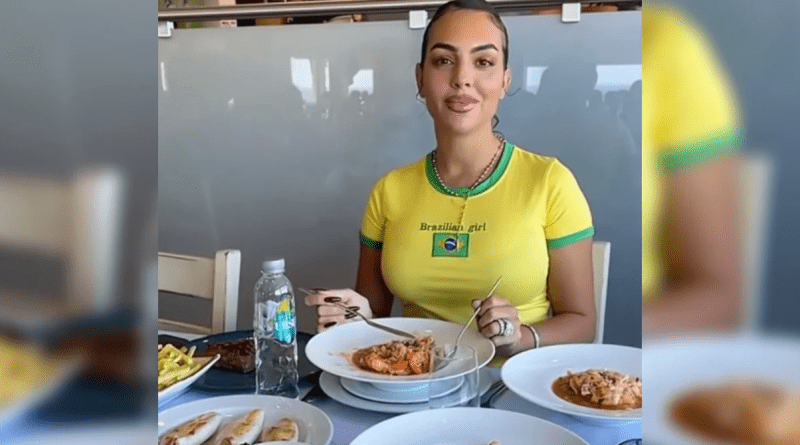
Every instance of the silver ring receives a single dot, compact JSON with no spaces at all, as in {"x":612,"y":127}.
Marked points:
{"x":506,"y":327}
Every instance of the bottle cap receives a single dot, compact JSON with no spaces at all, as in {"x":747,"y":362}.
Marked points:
{"x":273,"y":265}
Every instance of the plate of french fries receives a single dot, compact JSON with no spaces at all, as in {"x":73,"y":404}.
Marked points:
{"x":30,"y":376}
{"x":178,"y":368}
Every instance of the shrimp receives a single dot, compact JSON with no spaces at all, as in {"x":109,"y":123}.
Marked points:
{"x":397,"y":357}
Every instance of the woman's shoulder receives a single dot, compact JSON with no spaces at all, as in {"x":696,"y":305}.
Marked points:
{"x":405,"y":173}
{"x":530,"y":160}
{"x":547,"y":169}
{"x":662,"y":23}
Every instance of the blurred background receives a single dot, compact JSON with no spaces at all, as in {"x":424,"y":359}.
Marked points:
{"x":760,"y":47}
{"x":78,"y":182}
{"x":740,"y":386}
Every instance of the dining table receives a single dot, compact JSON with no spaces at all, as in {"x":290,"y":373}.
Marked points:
{"x":349,"y":422}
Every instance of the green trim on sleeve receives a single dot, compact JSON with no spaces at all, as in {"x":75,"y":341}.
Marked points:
{"x":569,"y":239}
{"x":369,"y":242}
{"x":701,"y":150}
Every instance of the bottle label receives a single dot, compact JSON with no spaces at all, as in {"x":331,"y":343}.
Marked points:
{"x":285,"y":321}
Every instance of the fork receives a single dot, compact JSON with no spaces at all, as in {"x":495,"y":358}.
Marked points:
{"x":460,"y":334}
{"x":367,"y":320}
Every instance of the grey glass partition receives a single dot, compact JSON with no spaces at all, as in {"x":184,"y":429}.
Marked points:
{"x":270,"y":139}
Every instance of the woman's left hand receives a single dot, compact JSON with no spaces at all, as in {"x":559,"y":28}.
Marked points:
{"x":494,"y":313}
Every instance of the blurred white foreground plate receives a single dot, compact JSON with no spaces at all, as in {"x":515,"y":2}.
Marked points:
{"x":459,"y":426}
{"x":328,"y":350}
{"x":675,"y":366}
{"x":315,"y":427}
{"x":60,"y":371}
{"x":531,"y":374}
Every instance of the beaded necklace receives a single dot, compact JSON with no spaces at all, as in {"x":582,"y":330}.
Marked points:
{"x":466,"y":194}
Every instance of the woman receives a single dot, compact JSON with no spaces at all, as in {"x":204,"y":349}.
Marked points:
{"x":439,"y":232}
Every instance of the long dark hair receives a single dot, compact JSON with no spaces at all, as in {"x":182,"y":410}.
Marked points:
{"x":475,"y":5}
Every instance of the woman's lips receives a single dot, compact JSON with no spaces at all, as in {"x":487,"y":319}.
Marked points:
{"x":460,"y":104}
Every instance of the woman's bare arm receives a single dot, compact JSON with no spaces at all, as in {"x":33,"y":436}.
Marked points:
{"x":702,"y":219}
{"x":370,"y":284}
{"x":570,"y":284}
{"x":570,"y":288}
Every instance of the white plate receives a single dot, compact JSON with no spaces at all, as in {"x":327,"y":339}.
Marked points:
{"x":332,"y":386}
{"x":180,"y":387}
{"x":315,"y":427}
{"x":418,"y":393}
{"x":675,"y":366}
{"x":531,"y":375}
{"x":280,"y":443}
{"x":459,"y":426}
{"x":327,"y":349}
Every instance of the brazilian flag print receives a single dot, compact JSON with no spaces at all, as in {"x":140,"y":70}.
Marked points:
{"x":450,"y":244}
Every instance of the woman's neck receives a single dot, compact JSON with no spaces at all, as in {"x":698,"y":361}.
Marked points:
{"x":461,"y":160}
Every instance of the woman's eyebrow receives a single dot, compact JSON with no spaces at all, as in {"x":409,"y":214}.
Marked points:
{"x":452,"y":48}
{"x":444,"y":46}
{"x":484,"y":47}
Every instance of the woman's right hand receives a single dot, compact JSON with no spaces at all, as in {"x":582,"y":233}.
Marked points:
{"x":329,"y":314}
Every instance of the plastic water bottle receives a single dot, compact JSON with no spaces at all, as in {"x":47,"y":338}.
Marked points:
{"x":274,"y":325}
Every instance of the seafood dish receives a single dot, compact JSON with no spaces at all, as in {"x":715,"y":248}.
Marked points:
{"x":399,"y":357}
{"x":193,"y":432}
{"x":286,"y":430}
{"x":741,"y":412}
{"x":601,"y":389}
{"x":243,"y":430}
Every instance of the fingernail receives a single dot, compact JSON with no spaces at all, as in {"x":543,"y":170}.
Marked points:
{"x":332,"y":299}
{"x":329,"y":324}
{"x":350,"y":315}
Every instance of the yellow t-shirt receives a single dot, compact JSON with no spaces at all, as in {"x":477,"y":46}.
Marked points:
{"x":689,"y":115}
{"x":436,"y":266}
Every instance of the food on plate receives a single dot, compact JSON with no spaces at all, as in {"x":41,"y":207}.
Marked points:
{"x":742,"y":412}
{"x":399,"y":357}
{"x":602,"y":389}
{"x":175,"y":365}
{"x":23,"y":368}
{"x":242,"y":431}
{"x":237,"y":356}
{"x":284,"y":431}
{"x":193,"y":432}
